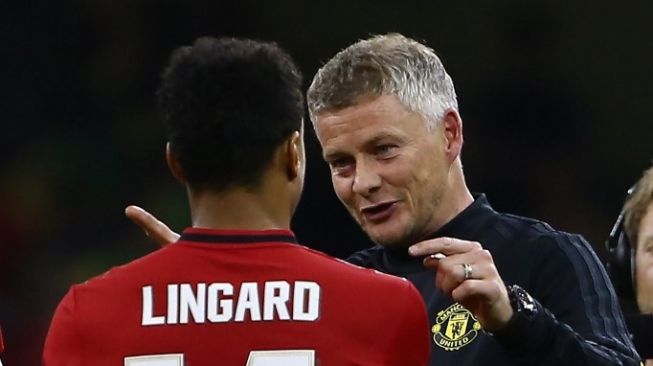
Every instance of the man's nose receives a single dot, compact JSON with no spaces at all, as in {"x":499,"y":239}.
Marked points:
{"x":366,"y":180}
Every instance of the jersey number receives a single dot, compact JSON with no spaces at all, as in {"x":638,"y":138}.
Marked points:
{"x":301,"y":357}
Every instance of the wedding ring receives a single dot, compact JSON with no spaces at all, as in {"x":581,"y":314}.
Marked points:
{"x":467,"y":271}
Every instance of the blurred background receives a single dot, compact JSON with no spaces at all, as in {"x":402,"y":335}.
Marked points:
{"x":555,"y":98}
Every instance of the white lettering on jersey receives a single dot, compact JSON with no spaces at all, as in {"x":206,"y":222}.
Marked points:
{"x":276,"y":297}
{"x":221,"y":302}
{"x":220,"y":310}
{"x":148,"y":309}
{"x":173,"y":304}
{"x":193,"y":302}
{"x":306,"y":301}
{"x":248,"y":300}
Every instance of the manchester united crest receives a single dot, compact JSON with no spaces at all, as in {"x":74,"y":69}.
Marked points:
{"x":455,"y":327}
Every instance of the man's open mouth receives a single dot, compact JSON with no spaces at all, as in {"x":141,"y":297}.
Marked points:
{"x":379,"y":212}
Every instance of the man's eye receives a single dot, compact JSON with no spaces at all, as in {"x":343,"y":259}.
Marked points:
{"x":338,"y":163}
{"x":386,"y":151}
{"x":340,"y":166}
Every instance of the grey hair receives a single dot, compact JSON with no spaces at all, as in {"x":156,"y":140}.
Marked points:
{"x":383,"y":65}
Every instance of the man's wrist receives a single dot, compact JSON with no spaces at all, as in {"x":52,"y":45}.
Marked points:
{"x":524,"y":308}
{"x":527,"y":336}
{"x":521,"y":302}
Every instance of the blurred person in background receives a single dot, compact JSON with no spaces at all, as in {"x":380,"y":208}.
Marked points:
{"x":508,"y":290}
{"x":2,"y":345}
{"x":237,"y":289}
{"x":630,"y":261}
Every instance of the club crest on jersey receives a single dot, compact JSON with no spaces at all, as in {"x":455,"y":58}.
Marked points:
{"x":454,"y":328}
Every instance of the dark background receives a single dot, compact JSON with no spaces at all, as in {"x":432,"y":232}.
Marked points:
{"x":555,"y":98}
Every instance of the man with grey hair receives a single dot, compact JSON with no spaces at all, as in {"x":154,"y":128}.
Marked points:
{"x":508,"y":290}
{"x":385,"y":113}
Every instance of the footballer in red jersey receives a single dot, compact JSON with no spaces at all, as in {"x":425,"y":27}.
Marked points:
{"x":237,"y":289}
{"x":230,"y":295}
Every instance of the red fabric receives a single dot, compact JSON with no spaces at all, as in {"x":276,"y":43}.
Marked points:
{"x":365,"y":318}
{"x":2,"y":343}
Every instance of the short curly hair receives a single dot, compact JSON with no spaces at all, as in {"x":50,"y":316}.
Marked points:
{"x":228,"y":104}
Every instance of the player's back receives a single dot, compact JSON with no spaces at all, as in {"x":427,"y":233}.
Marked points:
{"x":221,"y":297}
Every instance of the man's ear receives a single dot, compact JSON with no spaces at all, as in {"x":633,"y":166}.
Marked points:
{"x":173,"y":164}
{"x":452,"y":126}
{"x":295,"y":155}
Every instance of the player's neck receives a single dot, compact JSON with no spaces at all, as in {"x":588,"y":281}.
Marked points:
{"x":238,"y":209}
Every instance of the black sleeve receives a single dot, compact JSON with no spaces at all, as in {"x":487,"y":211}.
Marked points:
{"x":579,"y":321}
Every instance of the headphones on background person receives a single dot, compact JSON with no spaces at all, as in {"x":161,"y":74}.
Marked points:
{"x":621,"y":257}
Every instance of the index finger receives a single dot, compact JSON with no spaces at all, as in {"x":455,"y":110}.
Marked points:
{"x":444,"y":245}
{"x":155,"y":229}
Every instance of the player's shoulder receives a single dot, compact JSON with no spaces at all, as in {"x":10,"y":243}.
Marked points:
{"x":130,"y":271}
{"x":351,"y":272}
{"x":490,"y":224}
{"x":528,"y":229}
{"x":537,"y":236}
{"x":368,"y":286}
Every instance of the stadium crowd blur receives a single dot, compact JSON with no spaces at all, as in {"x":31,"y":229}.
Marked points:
{"x":555,"y":101}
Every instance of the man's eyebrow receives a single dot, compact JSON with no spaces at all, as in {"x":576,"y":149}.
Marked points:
{"x":383,"y":136}
{"x":330,"y":155}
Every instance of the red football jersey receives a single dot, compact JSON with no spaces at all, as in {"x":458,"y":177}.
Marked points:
{"x":239,"y":298}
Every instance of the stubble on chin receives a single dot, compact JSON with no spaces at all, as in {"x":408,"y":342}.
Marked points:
{"x":391,"y":240}
{"x":395,"y":241}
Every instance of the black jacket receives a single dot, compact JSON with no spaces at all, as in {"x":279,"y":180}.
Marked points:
{"x":578,"y":322}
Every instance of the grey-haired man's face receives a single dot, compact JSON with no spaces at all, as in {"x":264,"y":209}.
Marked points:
{"x":388,"y":170}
